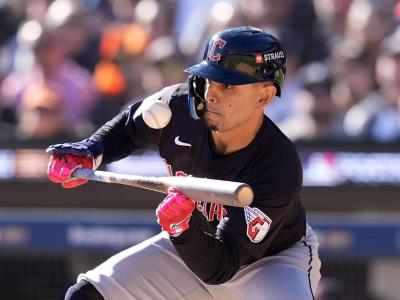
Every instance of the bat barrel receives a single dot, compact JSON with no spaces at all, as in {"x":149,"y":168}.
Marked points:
{"x":216,"y":191}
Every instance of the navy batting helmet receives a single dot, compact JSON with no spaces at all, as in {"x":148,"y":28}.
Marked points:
{"x":235,"y":56}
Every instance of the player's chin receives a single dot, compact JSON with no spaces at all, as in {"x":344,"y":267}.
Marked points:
{"x":211,"y":124}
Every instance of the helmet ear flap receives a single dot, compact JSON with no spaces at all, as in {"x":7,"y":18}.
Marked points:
{"x":197,"y":103}
{"x":279,"y":79}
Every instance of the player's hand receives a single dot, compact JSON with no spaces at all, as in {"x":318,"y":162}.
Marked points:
{"x":174,"y":212}
{"x":61,"y":166}
{"x":65,"y":158}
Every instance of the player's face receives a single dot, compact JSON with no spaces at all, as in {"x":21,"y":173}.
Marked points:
{"x":231,"y":106}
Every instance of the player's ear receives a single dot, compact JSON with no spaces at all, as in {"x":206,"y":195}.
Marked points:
{"x":268,"y":91}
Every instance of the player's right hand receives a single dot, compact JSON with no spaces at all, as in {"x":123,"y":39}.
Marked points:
{"x":174,"y":212}
{"x":65,"y":158}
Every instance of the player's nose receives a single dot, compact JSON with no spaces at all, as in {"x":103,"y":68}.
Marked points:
{"x":211,"y":93}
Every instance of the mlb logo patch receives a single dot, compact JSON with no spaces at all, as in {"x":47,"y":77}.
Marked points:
{"x":258,"y":224}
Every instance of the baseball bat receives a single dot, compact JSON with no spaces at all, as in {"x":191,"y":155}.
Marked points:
{"x":208,"y":190}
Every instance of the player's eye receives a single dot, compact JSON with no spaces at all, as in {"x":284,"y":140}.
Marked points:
{"x":227,"y":86}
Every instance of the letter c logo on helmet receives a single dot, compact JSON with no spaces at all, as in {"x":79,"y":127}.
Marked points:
{"x":235,"y":56}
{"x":216,"y":48}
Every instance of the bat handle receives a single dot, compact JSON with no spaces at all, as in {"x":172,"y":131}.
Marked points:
{"x":80,"y":173}
{"x":101,"y":176}
{"x":150,"y":183}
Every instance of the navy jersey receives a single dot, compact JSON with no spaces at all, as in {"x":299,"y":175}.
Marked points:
{"x":220,"y":239}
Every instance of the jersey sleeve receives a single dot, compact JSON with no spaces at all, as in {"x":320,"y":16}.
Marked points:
{"x":128,"y":132}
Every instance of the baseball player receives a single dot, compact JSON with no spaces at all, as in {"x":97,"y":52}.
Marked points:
{"x":217,"y":130}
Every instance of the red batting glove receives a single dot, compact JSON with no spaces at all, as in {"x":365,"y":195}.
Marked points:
{"x":174,"y":212}
{"x":61,"y":166}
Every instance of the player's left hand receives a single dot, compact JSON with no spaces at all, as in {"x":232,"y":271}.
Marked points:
{"x":174,"y":212}
{"x":65,"y":158}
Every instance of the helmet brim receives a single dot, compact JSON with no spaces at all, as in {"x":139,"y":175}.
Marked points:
{"x":216,"y":73}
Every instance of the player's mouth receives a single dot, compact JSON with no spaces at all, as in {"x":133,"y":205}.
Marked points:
{"x":211,"y":115}
{"x":211,"y":112}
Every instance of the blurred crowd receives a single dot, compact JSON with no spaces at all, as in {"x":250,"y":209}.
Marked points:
{"x":67,"y":66}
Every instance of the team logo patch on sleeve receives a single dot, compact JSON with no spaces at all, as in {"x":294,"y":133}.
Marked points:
{"x":258,"y":224}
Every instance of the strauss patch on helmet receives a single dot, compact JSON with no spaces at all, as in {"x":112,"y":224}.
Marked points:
{"x":274,"y":55}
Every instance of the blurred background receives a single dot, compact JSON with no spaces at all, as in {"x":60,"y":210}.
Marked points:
{"x":67,"y":66}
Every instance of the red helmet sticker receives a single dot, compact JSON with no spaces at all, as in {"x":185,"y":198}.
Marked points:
{"x":259,"y":58}
{"x":258,"y":224}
